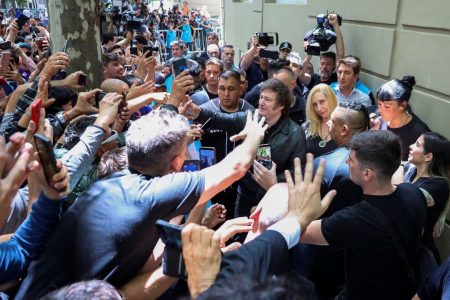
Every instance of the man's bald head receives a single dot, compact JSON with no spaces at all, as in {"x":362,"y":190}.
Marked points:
{"x":287,"y":76}
{"x":113,"y":85}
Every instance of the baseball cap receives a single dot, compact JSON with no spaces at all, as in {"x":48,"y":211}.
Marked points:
{"x":212,"y":47}
{"x":286,"y":45}
{"x":294,"y":58}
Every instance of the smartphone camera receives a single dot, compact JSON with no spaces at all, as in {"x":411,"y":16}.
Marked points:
{"x":98,"y":97}
{"x":264,"y":156}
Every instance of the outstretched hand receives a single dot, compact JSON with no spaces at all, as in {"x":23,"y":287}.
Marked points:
{"x":15,"y":164}
{"x":59,"y":186}
{"x":202,"y":257}
{"x":232,"y":227}
{"x":181,"y":84}
{"x":252,"y":126}
{"x":304,"y":193}
{"x":214,"y":215}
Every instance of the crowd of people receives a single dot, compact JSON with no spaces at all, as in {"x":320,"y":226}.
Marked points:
{"x":346,"y":202}
{"x":162,"y":26}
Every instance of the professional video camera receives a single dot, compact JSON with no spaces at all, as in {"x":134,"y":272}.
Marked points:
{"x":267,"y":38}
{"x":322,"y":37}
{"x":116,"y":16}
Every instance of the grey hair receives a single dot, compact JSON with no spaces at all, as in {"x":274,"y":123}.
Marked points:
{"x":154,"y":140}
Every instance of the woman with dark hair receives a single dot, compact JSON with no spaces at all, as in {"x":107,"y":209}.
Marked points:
{"x":396,"y":116}
{"x":428,"y":168}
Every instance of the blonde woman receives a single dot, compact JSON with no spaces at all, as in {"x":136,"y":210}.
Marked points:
{"x":319,"y":106}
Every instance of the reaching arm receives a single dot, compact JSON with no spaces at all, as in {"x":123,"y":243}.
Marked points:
{"x":148,"y":285}
{"x":247,"y":59}
{"x":227,"y":122}
{"x":29,"y":238}
{"x":236,"y":164}
{"x":313,"y":234}
{"x":340,"y":50}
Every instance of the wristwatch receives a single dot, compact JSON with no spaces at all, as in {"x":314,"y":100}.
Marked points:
{"x":62,"y":118}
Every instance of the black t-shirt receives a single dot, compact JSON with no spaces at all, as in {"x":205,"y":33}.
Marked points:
{"x":252,"y":95}
{"x":409,"y":133}
{"x":315,"y":80}
{"x":210,"y":95}
{"x":326,"y":265}
{"x":438,"y":188}
{"x":312,"y":146}
{"x":373,"y":270}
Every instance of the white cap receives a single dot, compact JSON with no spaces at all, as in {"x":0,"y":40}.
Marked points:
{"x":212,"y":47}
{"x":294,"y":58}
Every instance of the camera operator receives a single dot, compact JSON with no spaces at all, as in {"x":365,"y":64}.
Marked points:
{"x":328,"y":59}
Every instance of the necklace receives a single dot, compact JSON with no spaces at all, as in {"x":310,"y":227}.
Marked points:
{"x":323,"y":142}
{"x":403,"y":123}
{"x":407,"y":119}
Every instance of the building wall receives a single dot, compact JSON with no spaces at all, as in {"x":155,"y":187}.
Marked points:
{"x":213,"y":6}
{"x":392,"y":37}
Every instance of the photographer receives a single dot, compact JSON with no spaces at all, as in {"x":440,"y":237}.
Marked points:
{"x":328,"y":60}
{"x":255,"y":66}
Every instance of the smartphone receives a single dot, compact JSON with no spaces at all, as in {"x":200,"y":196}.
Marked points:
{"x":264,"y":156}
{"x":5,"y":45}
{"x":66,"y":43}
{"x":98,"y":97}
{"x":82,"y":79}
{"x":39,"y":41}
{"x":22,"y":20}
{"x":46,"y":156}
{"x":123,"y":102}
{"x":191,"y":165}
{"x":178,"y":66}
{"x":173,"y":263}
{"x":5,"y":59}
{"x":128,"y":68}
{"x":149,"y":49}
{"x":134,"y":25}
{"x":207,"y":157}
{"x":46,"y":54}
{"x":36,"y":112}
{"x":268,"y":54}
{"x":133,"y":51}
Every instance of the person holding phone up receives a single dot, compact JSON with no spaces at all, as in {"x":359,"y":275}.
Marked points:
{"x":29,"y":239}
{"x":151,"y":188}
{"x":285,"y":137}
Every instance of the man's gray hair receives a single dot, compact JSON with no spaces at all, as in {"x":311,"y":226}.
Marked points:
{"x":154,"y":140}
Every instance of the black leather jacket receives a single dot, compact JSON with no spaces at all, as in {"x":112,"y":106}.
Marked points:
{"x":287,"y":141}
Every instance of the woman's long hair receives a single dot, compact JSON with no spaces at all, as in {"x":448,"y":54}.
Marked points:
{"x":311,"y":115}
{"x":439,"y":146}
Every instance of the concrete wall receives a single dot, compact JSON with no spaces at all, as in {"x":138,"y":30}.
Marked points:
{"x":392,"y":37}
